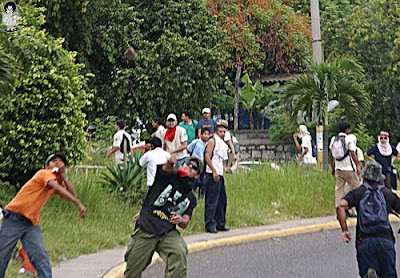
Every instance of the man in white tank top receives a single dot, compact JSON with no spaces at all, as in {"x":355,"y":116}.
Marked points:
{"x":215,"y":157}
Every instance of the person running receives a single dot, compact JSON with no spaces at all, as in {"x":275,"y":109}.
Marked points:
{"x":197,"y":148}
{"x":121,"y":138}
{"x":383,"y":153}
{"x":22,"y":215}
{"x":189,"y":125}
{"x":374,"y":239}
{"x":169,"y":202}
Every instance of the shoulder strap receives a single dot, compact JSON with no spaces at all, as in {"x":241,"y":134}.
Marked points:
{"x":190,"y":154}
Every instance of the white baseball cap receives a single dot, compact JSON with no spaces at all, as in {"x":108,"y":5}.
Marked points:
{"x":171,"y":116}
{"x":206,"y":110}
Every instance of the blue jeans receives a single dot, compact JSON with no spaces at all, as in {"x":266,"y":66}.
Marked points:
{"x":215,"y":202}
{"x":15,"y":227}
{"x":379,"y":254}
{"x":199,"y":182}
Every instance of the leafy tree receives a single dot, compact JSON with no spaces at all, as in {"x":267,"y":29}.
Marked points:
{"x":178,"y":54}
{"x":336,"y":80}
{"x":262,"y":36}
{"x":254,"y":98}
{"x":6,"y":69}
{"x":45,"y":110}
{"x":369,"y":31}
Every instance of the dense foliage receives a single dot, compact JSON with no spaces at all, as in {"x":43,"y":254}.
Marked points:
{"x":262,"y":35}
{"x":178,"y":54}
{"x":44,"y":113}
{"x":370,"y":31}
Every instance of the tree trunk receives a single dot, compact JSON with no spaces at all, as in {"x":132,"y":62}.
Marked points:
{"x":236,"y":99}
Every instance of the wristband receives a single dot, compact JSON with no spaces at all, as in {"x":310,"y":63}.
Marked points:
{"x":66,"y":179}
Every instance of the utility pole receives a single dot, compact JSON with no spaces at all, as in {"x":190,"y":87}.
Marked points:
{"x":322,"y":131}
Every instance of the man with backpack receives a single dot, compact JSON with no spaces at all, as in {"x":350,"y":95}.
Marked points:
{"x":374,"y":236}
{"x":122,"y":142}
{"x":344,"y":163}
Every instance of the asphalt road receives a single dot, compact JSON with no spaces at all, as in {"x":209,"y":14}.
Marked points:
{"x":320,"y":254}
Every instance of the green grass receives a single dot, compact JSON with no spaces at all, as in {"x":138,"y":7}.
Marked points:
{"x":300,"y":193}
{"x":108,"y":223}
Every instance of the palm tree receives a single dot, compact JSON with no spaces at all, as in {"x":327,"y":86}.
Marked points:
{"x":333,"y":80}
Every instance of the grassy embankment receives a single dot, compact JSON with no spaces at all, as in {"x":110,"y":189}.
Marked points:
{"x":299,"y":193}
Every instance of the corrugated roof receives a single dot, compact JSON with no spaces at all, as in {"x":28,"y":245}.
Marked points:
{"x":276,"y":78}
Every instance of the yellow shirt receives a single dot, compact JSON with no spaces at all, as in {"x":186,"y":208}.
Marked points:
{"x":30,"y":200}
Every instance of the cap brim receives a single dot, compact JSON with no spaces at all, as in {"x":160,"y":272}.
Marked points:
{"x":52,"y":156}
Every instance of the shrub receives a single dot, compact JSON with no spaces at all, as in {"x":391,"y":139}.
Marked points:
{"x":126,"y":179}
{"x":44,"y":114}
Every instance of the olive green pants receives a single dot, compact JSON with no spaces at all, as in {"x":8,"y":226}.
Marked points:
{"x":171,"y":247}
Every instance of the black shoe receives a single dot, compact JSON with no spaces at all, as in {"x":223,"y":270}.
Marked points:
{"x":212,"y":231}
{"x":223,"y":229}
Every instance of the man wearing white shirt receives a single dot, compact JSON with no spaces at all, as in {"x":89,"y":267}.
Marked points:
{"x":215,"y":157}
{"x":118,"y":138}
{"x":150,"y":160}
{"x":346,"y":169}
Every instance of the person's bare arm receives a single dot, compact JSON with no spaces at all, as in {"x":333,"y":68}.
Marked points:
{"x":332,"y":162}
{"x":113,"y":150}
{"x":67,"y":194}
{"x":169,"y":166}
{"x":230,"y":144}
{"x":341,"y":217}
{"x":69,"y":185}
{"x":207,"y":158}
{"x":302,"y":154}
{"x":355,"y":159}
{"x":368,"y":157}
{"x":298,"y":146}
{"x":180,"y":148}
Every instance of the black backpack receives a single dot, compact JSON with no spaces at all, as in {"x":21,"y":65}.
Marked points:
{"x":125,"y":144}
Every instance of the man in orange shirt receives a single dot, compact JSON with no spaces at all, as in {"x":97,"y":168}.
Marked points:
{"x":21,"y":215}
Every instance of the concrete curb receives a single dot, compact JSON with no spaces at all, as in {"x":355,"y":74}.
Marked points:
{"x":118,"y":271}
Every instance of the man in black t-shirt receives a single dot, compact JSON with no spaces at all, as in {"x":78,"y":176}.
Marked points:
{"x":169,"y":202}
{"x":375,"y":251}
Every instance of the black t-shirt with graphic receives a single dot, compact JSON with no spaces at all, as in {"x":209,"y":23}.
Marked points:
{"x":354,"y":197}
{"x":169,"y":193}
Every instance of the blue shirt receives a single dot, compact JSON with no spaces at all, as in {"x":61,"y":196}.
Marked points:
{"x":211,"y":125}
{"x":196,"y":148}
